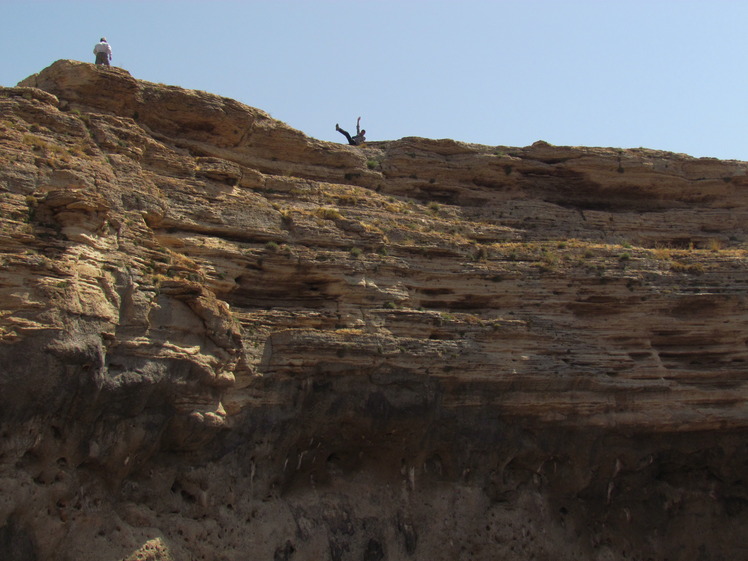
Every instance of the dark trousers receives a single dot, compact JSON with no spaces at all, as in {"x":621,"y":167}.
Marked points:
{"x":102,"y":58}
{"x":348,"y":136}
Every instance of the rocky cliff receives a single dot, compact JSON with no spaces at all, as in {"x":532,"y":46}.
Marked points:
{"x":221,"y":339}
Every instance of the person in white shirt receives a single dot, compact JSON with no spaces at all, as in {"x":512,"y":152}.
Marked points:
{"x":103,"y":52}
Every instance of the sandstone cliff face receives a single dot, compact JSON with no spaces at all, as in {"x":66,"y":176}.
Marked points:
{"x":222,"y":339}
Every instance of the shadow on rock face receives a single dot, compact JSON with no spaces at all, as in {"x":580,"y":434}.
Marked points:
{"x":16,"y":543}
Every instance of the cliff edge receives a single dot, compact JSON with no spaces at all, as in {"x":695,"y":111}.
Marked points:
{"x":223,"y":339}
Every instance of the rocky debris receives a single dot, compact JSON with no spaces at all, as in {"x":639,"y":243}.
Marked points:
{"x":222,"y":339}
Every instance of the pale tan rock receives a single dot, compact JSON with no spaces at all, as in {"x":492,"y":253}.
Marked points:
{"x":222,"y":339}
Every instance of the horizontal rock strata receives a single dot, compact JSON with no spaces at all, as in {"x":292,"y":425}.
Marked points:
{"x":223,"y":339}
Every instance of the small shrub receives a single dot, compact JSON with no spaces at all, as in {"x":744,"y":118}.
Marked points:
{"x":347,"y":200}
{"x":691,"y":268}
{"x":548,"y":256}
{"x":32,"y":204}
{"x":328,"y":213}
{"x":271,"y":246}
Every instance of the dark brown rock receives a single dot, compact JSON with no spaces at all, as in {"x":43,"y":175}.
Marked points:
{"x":222,"y":339}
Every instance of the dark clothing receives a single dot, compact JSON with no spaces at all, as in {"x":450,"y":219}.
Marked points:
{"x":103,"y":52}
{"x":352,"y":140}
{"x":102,"y":58}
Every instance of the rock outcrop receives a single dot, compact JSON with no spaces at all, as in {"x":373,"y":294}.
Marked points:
{"x":222,"y":339}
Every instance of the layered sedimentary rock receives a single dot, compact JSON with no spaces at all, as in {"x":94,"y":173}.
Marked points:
{"x":222,"y":339}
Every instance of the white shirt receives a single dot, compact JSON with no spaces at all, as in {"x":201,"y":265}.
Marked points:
{"x":103,"y":48}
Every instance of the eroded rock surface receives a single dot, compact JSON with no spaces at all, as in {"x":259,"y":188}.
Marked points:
{"x":222,"y":339}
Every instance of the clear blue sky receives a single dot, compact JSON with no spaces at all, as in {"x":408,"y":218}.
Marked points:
{"x":662,"y":74}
